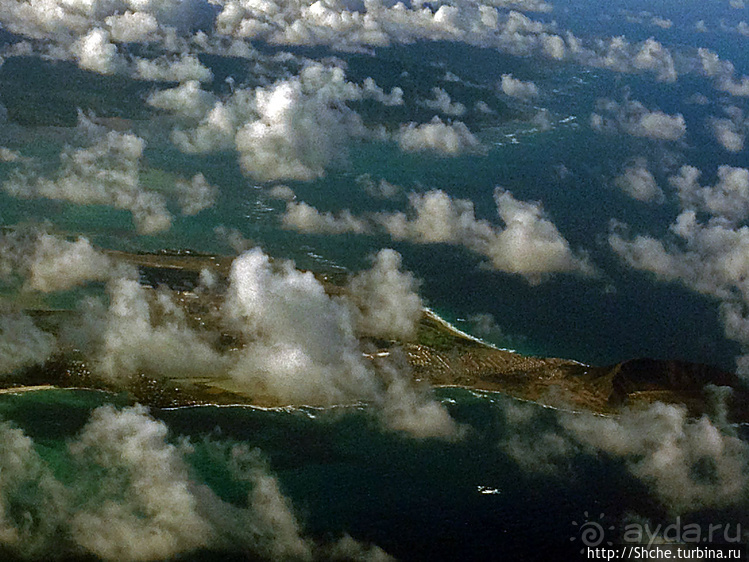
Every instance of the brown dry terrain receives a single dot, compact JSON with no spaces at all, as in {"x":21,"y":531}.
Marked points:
{"x":441,"y":356}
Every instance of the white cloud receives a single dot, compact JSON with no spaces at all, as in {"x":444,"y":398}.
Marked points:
{"x":523,"y":5}
{"x":107,"y":172}
{"x":49,"y":263}
{"x":302,"y":217}
{"x":8,"y":155}
{"x":129,"y":495}
{"x":292,"y":129}
{"x":386,"y":303}
{"x":663,"y":23}
{"x":22,"y":344}
{"x":689,"y":464}
{"x":730,"y":132}
{"x":347,"y":548}
{"x":727,"y":199}
{"x":28,"y":491}
{"x":156,"y":516}
{"x":381,"y":190}
{"x":132,"y":27}
{"x":663,"y":446}
{"x":517,"y":88}
{"x":617,"y":54}
{"x":633,"y":118}
{"x":187,"y":100}
{"x":709,"y":64}
{"x":142,"y":331}
{"x":413,"y":410}
{"x":637,"y":182}
{"x":735,"y":87}
{"x":195,"y":195}
{"x":444,"y":104}
{"x":708,"y":256}
{"x":172,"y":69}
{"x":282,"y":192}
{"x":58,"y":265}
{"x":529,"y":244}
{"x":446,"y":139}
{"x":304,"y":349}
{"x":296,"y":344}
{"x":303,"y":125}
{"x":95,"y":52}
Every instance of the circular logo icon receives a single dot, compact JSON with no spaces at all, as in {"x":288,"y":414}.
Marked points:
{"x":591,"y":533}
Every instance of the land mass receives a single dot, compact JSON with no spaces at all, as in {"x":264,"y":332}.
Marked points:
{"x":440,"y":355}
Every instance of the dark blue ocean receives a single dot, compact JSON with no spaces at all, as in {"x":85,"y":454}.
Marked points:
{"x":416,"y":499}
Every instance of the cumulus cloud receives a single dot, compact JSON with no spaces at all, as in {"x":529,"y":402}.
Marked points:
{"x":49,"y":263}
{"x":411,"y":409}
{"x":728,"y":199}
{"x":282,"y":193}
{"x":142,"y":331}
{"x":517,"y":88}
{"x":529,"y":244}
{"x":296,"y":344}
{"x":617,"y":54}
{"x":130,"y":495}
{"x":667,"y":450}
{"x":172,"y":69}
{"x":379,"y":25}
{"x":633,"y":118}
{"x":95,"y":33}
{"x":443,"y":103}
{"x":386,"y":301}
{"x":302,"y":346}
{"x":58,"y":264}
{"x":347,"y":548}
{"x":22,"y":344}
{"x":706,"y":255}
{"x":523,"y":5}
{"x":91,"y":33}
{"x":7,"y":155}
{"x":95,"y":52}
{"x":28,"y":492}
{"x":380,"y":190}
{"x":663,"y":23}
{"x":107,"y":172}
{"x":188,"y":100}
{"x":304,"y":218}
{"x":157,"y":516}
{"x":446,"y":139}
{"x":638,"y":182}
{"x":688,"y":464}
{"x":730,"y":132}
{"x":132,"y":27}
{"x":708,"y":63}
{"x":305,"y":349}
{"x":195,"y":195}
{"x":297,"y":133}
{"x":292,"y":129}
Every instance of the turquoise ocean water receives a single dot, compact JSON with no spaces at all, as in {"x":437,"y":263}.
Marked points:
{"x":416,"y":499}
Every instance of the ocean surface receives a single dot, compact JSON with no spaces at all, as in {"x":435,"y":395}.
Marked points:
{"x":416,"y":499}
{"x":89,"y":475}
